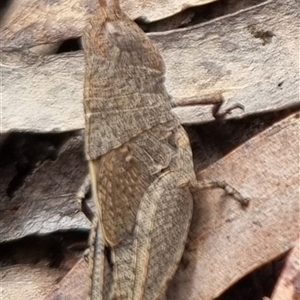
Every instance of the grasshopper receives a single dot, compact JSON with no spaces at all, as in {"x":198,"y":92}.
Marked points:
{"x":140,"y":162}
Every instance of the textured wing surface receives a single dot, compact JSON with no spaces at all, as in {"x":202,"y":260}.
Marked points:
{"x":121,"y":181}
{"x":123,"y":175}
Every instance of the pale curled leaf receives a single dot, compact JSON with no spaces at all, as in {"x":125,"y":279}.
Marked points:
{"x":74,"y":286}
{"x":234,"y":61}
{"x":25,"y":22}
{"x":21,"y":282}
{"x":46,"y":200}
{"x":228,"y":242}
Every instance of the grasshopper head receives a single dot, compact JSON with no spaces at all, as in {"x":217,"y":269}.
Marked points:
{"x":113,"y":37}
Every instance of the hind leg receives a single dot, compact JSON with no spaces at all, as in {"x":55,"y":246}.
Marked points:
{"x":144,"y":265}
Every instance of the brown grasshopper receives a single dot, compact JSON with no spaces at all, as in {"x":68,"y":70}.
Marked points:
{"x":140,"y":162}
